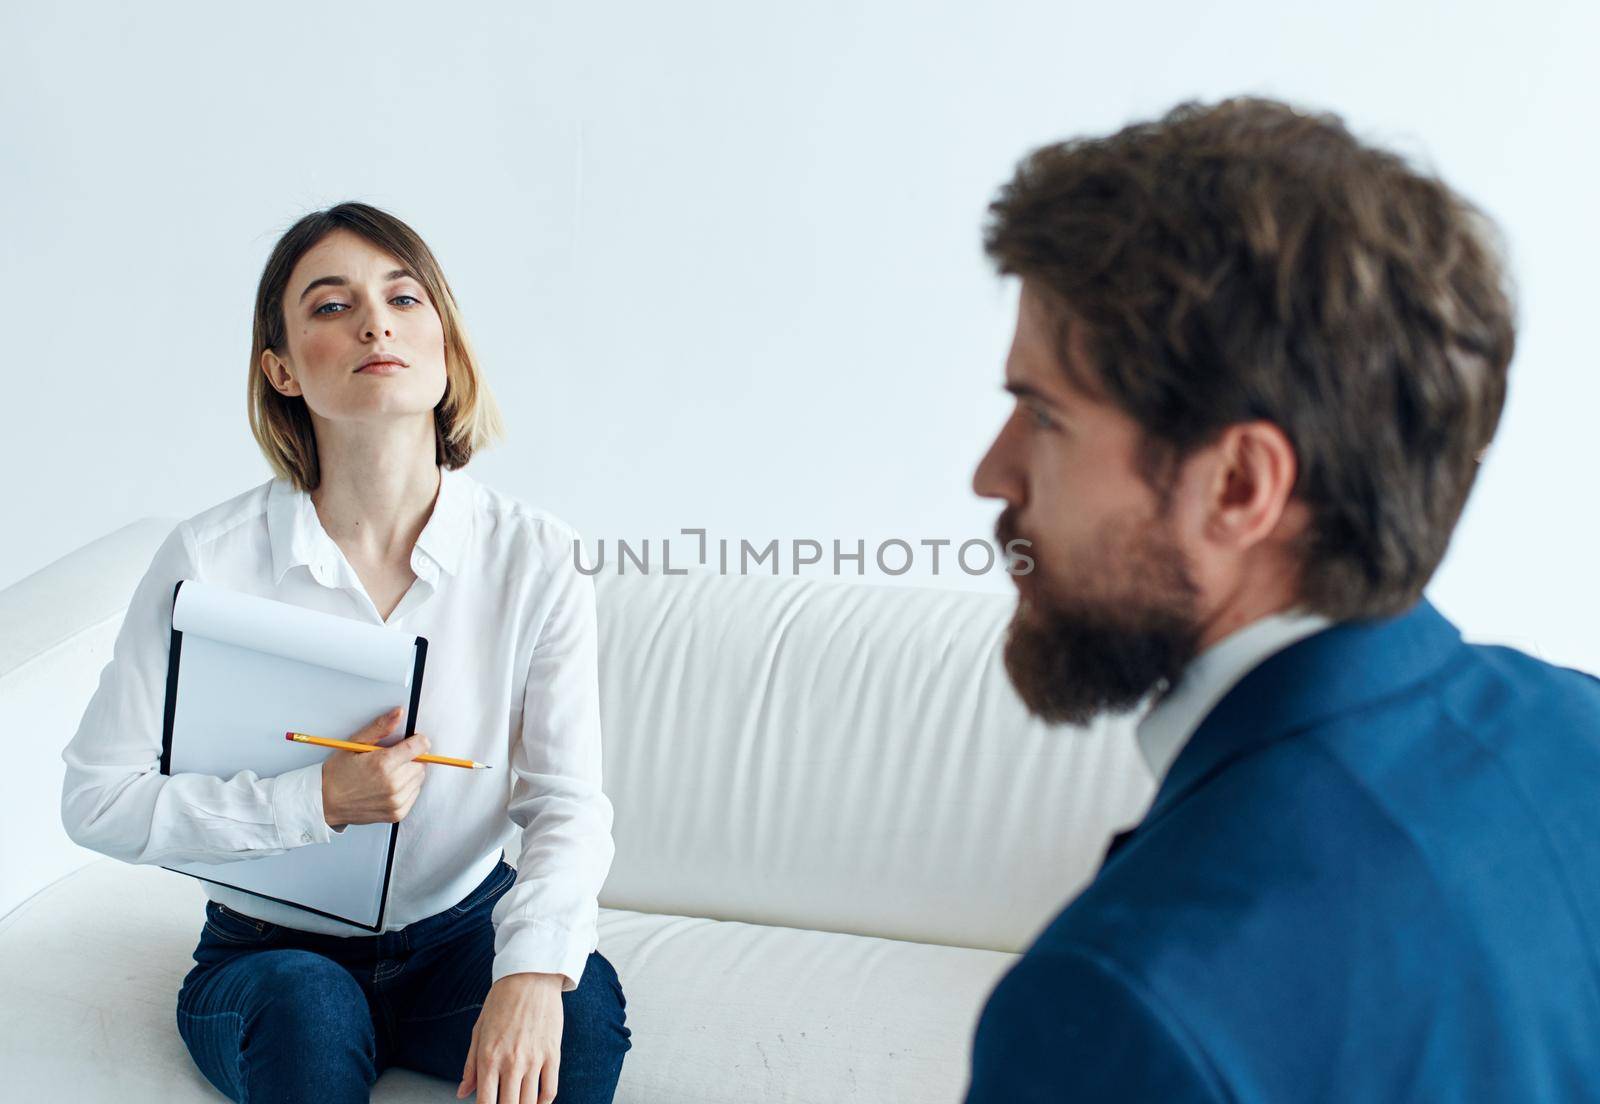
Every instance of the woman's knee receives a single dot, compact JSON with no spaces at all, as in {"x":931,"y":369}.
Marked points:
{"x":310,"y":1000}
{"x":290,"y":998}
{"x":278,"y":1022}
{"x":595,"y":1013}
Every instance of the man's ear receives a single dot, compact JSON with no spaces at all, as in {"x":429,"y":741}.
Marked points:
{"x":278,"y":374}
{"x":1251,"y":485}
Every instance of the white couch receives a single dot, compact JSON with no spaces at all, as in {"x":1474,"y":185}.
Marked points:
{"x":835,"y":828}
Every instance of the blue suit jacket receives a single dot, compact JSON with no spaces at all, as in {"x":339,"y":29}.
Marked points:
{"x":1372,"y":874}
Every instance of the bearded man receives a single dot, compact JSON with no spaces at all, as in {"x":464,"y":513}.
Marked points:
{"x":1256,"y":366}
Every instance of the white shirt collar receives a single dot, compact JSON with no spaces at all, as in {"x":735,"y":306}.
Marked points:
{"x":298,"y":537}
{"x":1169,"y":723}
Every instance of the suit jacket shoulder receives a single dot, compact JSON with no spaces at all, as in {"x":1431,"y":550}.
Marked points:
{"x":1371,"y":874}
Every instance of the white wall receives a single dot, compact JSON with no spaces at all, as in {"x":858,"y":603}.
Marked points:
{"x":722,"y":260}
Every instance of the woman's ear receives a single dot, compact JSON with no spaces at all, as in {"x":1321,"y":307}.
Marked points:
{"x":278,"y":374}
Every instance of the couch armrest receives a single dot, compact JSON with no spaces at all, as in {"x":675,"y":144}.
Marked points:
{"x":57,"y":628}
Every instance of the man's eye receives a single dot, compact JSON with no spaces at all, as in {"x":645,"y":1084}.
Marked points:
{"x":1040,"y":418}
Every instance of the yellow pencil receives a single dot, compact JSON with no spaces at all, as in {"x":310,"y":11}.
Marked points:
{"x":348,"y":745}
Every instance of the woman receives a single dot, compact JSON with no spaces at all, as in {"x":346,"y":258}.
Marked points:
{"x":366,"y":399}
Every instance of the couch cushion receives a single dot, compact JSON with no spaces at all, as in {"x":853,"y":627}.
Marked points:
{"x":731,"y":1013}
{"x":721,"y":1012}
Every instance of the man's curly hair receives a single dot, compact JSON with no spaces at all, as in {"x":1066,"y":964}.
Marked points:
{"x":1246,"y":260}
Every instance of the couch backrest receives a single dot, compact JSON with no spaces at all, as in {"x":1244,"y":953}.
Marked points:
{"x":57,"y":628}
{"x":834,"y":755}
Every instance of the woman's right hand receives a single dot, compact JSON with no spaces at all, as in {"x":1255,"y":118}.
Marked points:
{"x":373,"y":787}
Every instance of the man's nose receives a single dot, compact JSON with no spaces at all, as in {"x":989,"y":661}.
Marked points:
{"x":990,"y":479}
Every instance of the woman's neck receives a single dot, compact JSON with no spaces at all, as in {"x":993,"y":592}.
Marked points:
{"x":375,"y":498}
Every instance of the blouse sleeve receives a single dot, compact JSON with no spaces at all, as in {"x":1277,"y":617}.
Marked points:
{"x":547,"y":922}
{"x":114,"y":798}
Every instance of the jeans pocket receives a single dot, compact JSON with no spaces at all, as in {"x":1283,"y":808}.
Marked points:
{"x":228,"y":926}
{"x":499,"y":879}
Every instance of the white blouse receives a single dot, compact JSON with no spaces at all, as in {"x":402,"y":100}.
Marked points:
{"x":512,"y":680}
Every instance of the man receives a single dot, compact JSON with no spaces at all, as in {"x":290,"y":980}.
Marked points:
{"x":1256,"y":364}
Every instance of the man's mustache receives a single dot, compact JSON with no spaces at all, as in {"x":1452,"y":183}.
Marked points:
{"x":1005,"y":528}
{"x":1007,"y":537}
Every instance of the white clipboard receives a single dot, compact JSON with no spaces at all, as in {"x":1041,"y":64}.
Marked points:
{"x":242,"y":671}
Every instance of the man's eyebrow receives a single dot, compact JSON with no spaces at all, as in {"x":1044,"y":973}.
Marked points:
{"x":1028,"y":391}
{"x":340,"y":281}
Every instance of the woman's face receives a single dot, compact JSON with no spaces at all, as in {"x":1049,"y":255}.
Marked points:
{"x":347,"y":301}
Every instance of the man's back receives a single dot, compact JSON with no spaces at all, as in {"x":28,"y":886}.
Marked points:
{"x":1370,"y":875}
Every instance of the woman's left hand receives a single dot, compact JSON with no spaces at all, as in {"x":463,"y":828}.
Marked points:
{"x":516,"y":1043}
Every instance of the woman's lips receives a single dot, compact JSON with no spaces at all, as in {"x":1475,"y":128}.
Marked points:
{"x":382,"y":368}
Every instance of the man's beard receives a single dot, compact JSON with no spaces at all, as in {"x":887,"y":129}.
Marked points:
{"x":1071,"y":657}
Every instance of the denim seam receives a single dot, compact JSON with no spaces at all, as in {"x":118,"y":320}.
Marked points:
{"x":437,"y":1015}
{"x":258,"y":925}
{"x":234,"y":940}
{"x":462,"y":910}
{"x":238,"y":1070}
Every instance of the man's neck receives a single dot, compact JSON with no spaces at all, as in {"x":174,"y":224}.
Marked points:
{"x":1242,"y":609}
{"x":1179,"y":709}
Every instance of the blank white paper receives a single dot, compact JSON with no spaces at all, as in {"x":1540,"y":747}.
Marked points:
{"x":251,"y":669}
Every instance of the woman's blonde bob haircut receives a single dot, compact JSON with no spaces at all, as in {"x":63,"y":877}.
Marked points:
{"x":467,"y":417}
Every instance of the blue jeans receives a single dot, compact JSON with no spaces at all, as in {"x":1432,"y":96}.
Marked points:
{"x":274,"y":1014}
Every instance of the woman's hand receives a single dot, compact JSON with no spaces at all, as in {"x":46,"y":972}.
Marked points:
{"x":373,"y":787}
{"x":516,"y":1043}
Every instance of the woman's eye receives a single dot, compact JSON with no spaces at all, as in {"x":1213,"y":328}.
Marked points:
{"x":323,"y":310}
{"x":1040,"y":418}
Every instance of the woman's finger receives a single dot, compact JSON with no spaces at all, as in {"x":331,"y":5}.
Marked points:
{"x":510,"y":1083}
{"x":377,"y":728}
{"x":547,"y":1079}
{"x":488,"y":1081}
{"x":469,"y":1075}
